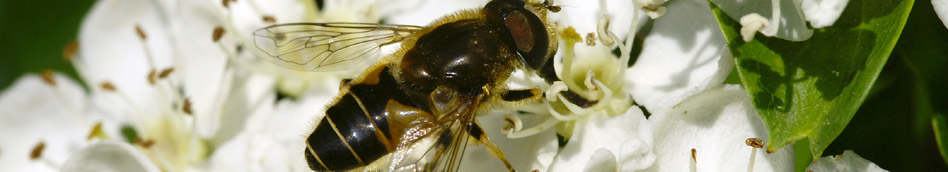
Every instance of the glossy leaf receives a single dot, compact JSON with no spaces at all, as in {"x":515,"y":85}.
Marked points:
{"x":812,"y":89}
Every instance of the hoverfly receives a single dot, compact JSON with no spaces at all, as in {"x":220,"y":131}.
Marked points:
{"x":416,"y":108}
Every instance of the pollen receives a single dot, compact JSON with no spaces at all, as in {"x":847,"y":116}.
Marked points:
{"x":144,"y":143}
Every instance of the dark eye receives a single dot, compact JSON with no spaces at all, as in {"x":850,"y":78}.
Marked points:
{"x":530,"y":36}
{"x":527,"y":31}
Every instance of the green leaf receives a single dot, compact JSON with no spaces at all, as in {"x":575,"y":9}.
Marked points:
{"x":811,"y":89}
{"x":940,"y":124}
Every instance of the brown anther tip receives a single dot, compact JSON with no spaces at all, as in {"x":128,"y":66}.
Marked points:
{"x":754,"y":142}
{"x":144,"y":143}
{"x":771,"y":151}
{"x":165,"y":73}
{"x":591,"y":39}
{"x":96,"y":130}
{"x":70,"y":50}
{"x":47,"y":76}
{"x":554,"y":9}
{"x":107,"y":86}
{"x":226,"y":3}
{"x":809,"y":170}
{"x":269,"y":19}
{"x":686,"y":112}
{"x":37,"y":151}
{"x":152,"y":76}
{"x":218,"y":33}
{"x":535,"y":170}
{"x":140,"y":32}
{"x":694,"y":153}
{"x":187,"y":106}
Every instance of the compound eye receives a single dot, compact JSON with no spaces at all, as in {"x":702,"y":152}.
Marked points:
{"x":530,"y":37}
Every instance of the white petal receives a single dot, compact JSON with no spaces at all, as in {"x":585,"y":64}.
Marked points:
{"x":31,"y":112}
{"x":790,"y":24}
{"x":247,"y":15}
{"x":684,"y":54}
{"x":523,"y":153}
{"x":941,"y":8}
{"x":274,"y":138}
{"x":823,"y":13}
{"x":584,"y":15}
{"x":629,"y":136}
{"x":848,"y":161}
{"x":252,"y":93}
{"x":109,"y":157}
{"x":601,"y":160}
{"x":110,"y":50}
{"x":716,"y":124}
{"x":420,"y":12}
{"x":200,"y":62}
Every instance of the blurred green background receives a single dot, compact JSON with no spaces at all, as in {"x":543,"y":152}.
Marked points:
{"x":892,"y":128}
{"x":33,"y":34}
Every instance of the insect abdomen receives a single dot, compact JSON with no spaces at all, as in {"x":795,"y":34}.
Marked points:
{"x":346,"y":138}
{"x":355,"y":131}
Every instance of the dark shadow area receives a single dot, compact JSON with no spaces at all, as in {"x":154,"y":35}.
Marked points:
{"x":892,"y":128}
{"x":883,"y":130}
{"x":33,"y":35}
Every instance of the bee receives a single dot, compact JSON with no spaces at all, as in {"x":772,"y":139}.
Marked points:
{"x":416,"y":108}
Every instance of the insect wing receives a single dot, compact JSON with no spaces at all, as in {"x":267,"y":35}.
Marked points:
{"x":328,"y":46}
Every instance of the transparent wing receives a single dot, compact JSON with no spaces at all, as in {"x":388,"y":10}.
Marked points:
{"x":449,"y":141}
{"x":328,"y":46}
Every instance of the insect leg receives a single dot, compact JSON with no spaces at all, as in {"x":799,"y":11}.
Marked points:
{"x":477,"y":132}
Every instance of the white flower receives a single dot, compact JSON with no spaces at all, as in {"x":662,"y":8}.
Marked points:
{"x":173,"y":73}
{"x":848,"y":161}
{"x":710,"y":131}
{"x":787,"y":18}
{"x":42,"y":122}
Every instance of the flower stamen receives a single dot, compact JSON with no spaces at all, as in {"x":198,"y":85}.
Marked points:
{"x":754,"y":143}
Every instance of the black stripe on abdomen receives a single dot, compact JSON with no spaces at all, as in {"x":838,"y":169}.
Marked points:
{"x":355,"y":128}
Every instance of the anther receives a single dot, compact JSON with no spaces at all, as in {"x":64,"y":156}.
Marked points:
{"x":269,"y":19}
{"x":70,"y":50}
{"x":754,"y":142}
{"x":48,"y":77}
{"x":107,"y":86}
{"x":187,"y":106}
{"x":693,"y":164}
{"x":96,"y":131}
{"x":140,"y":32}
{"x":37,"y":151}
{"x":226,"y":3}
{"x":694,"y":153}
{"x":591,"y":39}
{"x":218,"y":33}
{"x":165,"y":73}
{"x":144,"y":143}
{"x":152,"y":77}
